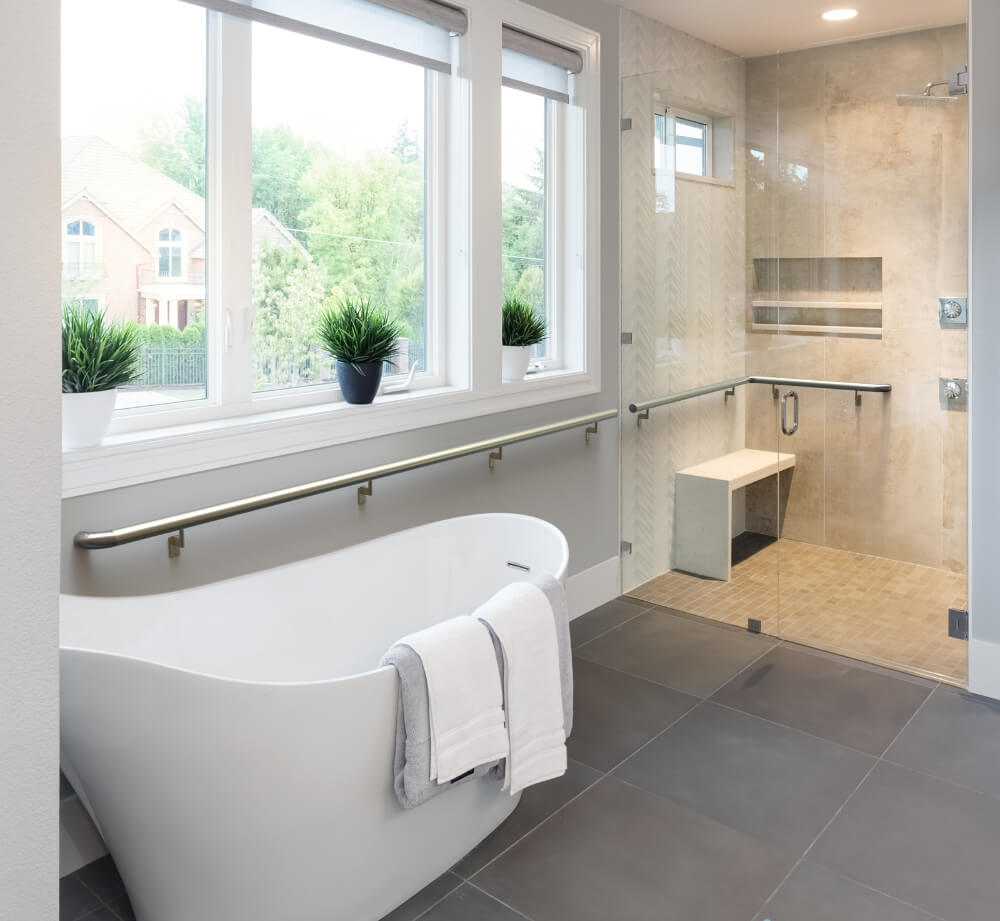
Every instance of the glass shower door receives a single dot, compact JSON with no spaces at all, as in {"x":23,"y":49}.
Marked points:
{"x":857,"y":249}
{"x":689,"y":475}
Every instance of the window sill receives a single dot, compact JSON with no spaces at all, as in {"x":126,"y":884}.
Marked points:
{"x":706,"y":180}
{"x":156,"y":454}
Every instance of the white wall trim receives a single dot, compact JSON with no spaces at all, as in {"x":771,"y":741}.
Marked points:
{"x":593,"y":587}
{"x":157,"y":454}
{"x":984,"y":668}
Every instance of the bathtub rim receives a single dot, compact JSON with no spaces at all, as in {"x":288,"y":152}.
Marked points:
{"x":320,"y":682}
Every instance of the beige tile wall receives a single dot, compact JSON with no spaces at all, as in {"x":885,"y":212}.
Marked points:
{"x":852,"y":173}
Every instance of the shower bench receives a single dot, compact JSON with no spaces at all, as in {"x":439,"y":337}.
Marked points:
{"x":703,"y":507}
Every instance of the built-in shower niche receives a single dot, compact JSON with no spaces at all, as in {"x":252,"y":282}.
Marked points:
{"x":828,"y":296}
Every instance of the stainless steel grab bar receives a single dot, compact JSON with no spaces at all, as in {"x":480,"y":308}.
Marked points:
{"x":645,"y":405}
{"x":100,"y":540}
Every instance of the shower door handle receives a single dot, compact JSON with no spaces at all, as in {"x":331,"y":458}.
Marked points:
{"x":784,"y":412}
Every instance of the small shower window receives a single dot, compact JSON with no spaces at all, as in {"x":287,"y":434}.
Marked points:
{"x":693,"y":139}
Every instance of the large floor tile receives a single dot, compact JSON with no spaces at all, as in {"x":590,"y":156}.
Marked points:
{"x":826,"y":696}
{"x":470,"y":904}
{"x":955,"y":736}
{"x":75,"y":899}
{"x":683,"y":653}
{"x":602,"y":619}
{"x":775,"y":783}
{"x":617,"y":852}
{"x":813,"y":893}
{"x":431,"y":894}
{"x":537,"y":804}
{"x":924,"y":841}
{"x":102,"y":877}
{"x":615,"y":713}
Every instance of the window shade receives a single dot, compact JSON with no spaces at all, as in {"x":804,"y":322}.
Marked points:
{"x":415,"y":31}
{"x":537,"y":65}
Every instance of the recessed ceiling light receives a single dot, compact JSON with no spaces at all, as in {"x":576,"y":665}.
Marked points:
{"x":836,"y":15}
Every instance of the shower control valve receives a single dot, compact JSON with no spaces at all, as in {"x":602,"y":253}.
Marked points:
{"x":954,"y":393}
{"x":953,"y":311}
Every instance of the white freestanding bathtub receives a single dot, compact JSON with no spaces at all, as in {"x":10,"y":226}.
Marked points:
{"x":234,"y":742}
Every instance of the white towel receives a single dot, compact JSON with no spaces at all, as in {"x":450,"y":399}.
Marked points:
{"x":521,"y":617}
{"x":465,"y":700}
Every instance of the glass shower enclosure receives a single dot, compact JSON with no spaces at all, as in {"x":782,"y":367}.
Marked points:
{"x":794,"y":265}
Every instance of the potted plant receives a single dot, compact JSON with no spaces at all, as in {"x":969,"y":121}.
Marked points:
{"x":521,"y":329}
{"x":362,"y":339}
{"x":97,"y":357}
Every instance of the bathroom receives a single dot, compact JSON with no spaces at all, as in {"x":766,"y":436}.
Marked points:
{"x":758,"y":223}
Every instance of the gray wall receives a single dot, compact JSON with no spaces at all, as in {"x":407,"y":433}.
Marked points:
{"x":560,"y":477}
{"x":29,"y":454}
{"x":984,"y":373}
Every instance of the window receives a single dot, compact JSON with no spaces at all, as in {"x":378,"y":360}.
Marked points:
{"x":355,"y":165}
{"x":80,"y":248}
{"x":544,"y":186}
{"x":524,"y":129}
{"x":339,"y":187}
{"x":169,"y":265}
{"x":133,"y":152}
{"x":694,"y":145}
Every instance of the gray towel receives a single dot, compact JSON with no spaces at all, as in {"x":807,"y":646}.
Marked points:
{"x":412,"y":762}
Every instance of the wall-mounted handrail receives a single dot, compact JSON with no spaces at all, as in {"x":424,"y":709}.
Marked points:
{"x":645,"y":405}
{"x":100,"y":540}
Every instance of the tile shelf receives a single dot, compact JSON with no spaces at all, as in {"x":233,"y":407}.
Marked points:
{"x":791,"y":329}
{"x":820,"y":305}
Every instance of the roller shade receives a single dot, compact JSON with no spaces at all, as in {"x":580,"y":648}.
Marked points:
{"x":537,"y":65}
{"x":415,"y":31}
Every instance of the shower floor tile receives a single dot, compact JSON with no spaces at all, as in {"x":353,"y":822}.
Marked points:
{"x":883,"y":611}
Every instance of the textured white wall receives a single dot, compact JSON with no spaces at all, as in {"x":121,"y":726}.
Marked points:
{"x":683,"y":285}
{"x":29,"y":460}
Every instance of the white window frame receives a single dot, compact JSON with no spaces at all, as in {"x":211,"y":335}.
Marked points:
{"x":171,"y":245}
{"x":697,"y":118}
{"x":77,"y":269}
{"x":463,"y":278}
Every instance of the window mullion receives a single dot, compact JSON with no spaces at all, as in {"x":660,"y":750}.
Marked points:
{"x":481,"y":67}
{"x":230,"y":192}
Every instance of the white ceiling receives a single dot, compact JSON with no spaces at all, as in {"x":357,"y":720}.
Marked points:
{"x":755,"y":27}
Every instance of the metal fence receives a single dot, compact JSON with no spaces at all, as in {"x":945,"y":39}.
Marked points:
{"x":170,"y":366}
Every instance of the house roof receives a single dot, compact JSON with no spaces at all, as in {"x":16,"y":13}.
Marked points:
{"x":133,"y":194}
{"x":127,"y":189}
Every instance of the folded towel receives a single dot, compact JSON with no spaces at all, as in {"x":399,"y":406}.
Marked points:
{"x":521,"y":617}
{"x":412,"y":782}
{"x":554,"y":591}
{"x":464,"y":696}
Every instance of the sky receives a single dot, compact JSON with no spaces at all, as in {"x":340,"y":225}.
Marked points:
{"x":129,"y":63}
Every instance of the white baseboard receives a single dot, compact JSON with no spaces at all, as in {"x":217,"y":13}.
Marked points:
{"x":593,"y":587}
{"x":984,"y":668}
{"x":79,"y":842}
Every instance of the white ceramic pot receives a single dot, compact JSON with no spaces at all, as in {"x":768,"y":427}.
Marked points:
{"x":86,"y":417}
{"x":516,"y":359}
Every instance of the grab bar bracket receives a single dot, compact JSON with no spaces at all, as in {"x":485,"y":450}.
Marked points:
{"x":643,"y":417}
{"x":175,"y":544}
{"x":364,"y":492}
{"x":590,"y":430}
{"x":731,"y":392}
{"x":495,"y":456}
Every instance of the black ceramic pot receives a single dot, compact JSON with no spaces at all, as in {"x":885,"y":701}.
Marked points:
{"x":359,"y":382}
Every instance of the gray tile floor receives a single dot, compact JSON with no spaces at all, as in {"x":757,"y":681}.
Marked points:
{"x":719,"y":776}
